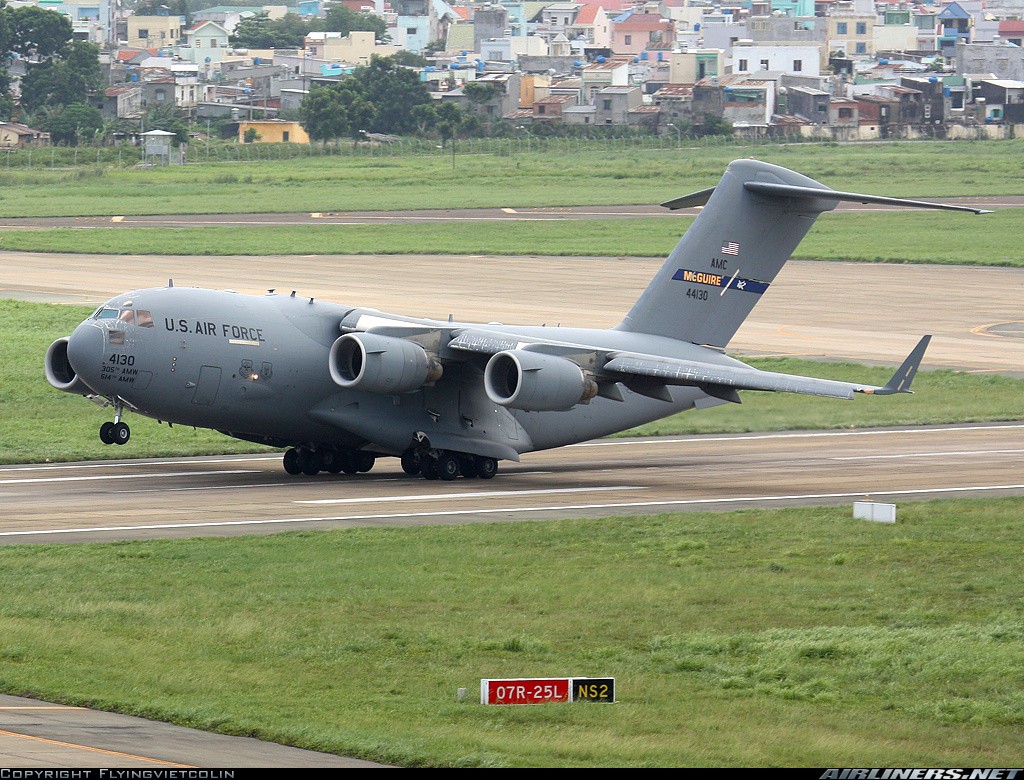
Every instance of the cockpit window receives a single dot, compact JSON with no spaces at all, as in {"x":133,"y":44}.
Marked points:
{"x":115,"y":337}
{"x":141,"y":317}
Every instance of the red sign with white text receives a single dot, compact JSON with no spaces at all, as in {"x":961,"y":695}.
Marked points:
{"x":525,"y":691}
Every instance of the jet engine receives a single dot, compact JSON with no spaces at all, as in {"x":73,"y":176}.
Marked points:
{"x":381,"y":364}
{"x":535,"y":382}
{"x":59,"y":372}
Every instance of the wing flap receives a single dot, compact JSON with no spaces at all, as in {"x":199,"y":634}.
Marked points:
{"x":716,"y":380}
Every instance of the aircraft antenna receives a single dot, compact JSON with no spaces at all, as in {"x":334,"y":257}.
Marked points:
{"x":170,"y":283}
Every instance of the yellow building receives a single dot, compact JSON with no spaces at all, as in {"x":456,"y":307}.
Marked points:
{"x":273,"y":131}
{"x":153,"y":32}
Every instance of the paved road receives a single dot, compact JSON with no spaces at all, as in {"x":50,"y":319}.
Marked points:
{"x":45,"y":736}
{"x":222,"y":496}
{"x":425,"y":215}
{"x":848,"y":311}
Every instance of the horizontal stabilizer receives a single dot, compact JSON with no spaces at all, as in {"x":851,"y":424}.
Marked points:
{"x":792,"y":191}
{"x":690,"y":201}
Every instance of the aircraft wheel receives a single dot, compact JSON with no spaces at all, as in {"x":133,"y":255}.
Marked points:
{"x":428,"y":468}
{"x":364,"y":461}
{"x":486,"y":468}
{"x":291,"y":462}
{"x":121,"y":433}
{"x":467,"y":466}
{"x":308,"y":463}
{"x":107,"y":433}
{"x":411,"y":462}
{"x":447,"y":465}
{"x":348,"y":462}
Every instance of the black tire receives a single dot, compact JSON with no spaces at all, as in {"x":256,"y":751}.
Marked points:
{"x":467,"y":466}
{"x":291,"y":462}
{"x":347,"y":458}
{"x":486,"y":468}
{"x":309,"y":464}
{"x":107,"y":433}
{"x":121,"y":433}
{"x":364,"y":461}
{"x":447,"y":465}
{"x":411,"y":462}
{"x":428,"y":468}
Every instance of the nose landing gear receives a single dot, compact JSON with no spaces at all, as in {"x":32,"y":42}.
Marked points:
{"x":115,"y":432}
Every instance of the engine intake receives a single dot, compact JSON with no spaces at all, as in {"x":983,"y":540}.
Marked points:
{"x":59,"y":372}
{"x":535,"y":382}
{"x":381,"y":364}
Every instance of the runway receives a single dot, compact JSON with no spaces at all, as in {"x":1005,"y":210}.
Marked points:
{"x":219,"y":496}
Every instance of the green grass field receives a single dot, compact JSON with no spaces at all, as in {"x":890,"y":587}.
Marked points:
{"x":792,"y":638}
{"x":900,"y":237}
{"x":552,"y":178}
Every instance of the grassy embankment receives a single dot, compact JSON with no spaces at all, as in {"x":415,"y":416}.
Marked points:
{"x":792,"y":638}
{"x":555,"y":178}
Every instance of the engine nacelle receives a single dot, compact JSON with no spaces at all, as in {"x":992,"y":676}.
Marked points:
{"x":59,"y":372}
{"x":381,"y":364}
{"x":535,"y":382}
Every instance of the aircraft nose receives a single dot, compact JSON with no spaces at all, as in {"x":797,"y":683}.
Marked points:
{"x":85,"y":349}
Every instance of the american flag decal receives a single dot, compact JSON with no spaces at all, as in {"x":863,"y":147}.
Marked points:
{"x":730,"y":248}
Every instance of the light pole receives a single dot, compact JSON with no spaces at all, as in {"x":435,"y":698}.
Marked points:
{"x":678,"y":132}
{"x":529,"y":136}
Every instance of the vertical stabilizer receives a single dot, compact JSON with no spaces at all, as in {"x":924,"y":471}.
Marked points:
{"x":728,"y":257}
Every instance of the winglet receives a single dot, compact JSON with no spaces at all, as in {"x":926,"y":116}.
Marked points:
{"x":900,"y":382}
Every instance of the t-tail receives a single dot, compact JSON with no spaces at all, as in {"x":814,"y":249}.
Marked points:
{"x":751,"y":224}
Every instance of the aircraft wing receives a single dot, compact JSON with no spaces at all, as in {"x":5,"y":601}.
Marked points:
{"x":650,"y":374}
{"x":720,"y":380}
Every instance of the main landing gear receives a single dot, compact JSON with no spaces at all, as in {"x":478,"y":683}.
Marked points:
{"x":311,"y":461}
{"x":447,"y":465}
{"x":115,"y":432}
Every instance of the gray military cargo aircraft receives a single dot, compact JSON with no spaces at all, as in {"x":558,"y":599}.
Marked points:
{"x":340,"y":386}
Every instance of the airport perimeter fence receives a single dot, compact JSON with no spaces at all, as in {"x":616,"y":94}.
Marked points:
{"x":200,"y":152}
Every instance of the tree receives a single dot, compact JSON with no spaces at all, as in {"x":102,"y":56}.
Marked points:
{"x":37,"y":33}
{"x":381,"y":97}
{"x":395,"y":91}
{"x":169,"y":119}
{"x":70,"y":78}
{"x":251,"y":135}
{"x":262,"y":32}
{"x":74,"y":124}
{"x":344,"y":20}
{"x":479,"y":94}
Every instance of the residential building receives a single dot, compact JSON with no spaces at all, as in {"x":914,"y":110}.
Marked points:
{"x":154,"y":32}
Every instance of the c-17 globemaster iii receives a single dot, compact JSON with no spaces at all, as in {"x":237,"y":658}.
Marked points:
{"x":340,"y":386}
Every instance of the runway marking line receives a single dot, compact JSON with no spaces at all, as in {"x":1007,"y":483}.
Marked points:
{"x":125,"y":476}
{"x":515,"y":510}
{"x":449,"y":496}
{"x":46,"y":741}
{"x":925,"y":454}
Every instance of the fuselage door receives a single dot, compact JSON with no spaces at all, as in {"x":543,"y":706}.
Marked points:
{"x":209,"y":383}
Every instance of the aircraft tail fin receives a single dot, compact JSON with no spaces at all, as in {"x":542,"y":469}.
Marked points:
{"x":904,"y":375}
{"x":753,"y":220}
